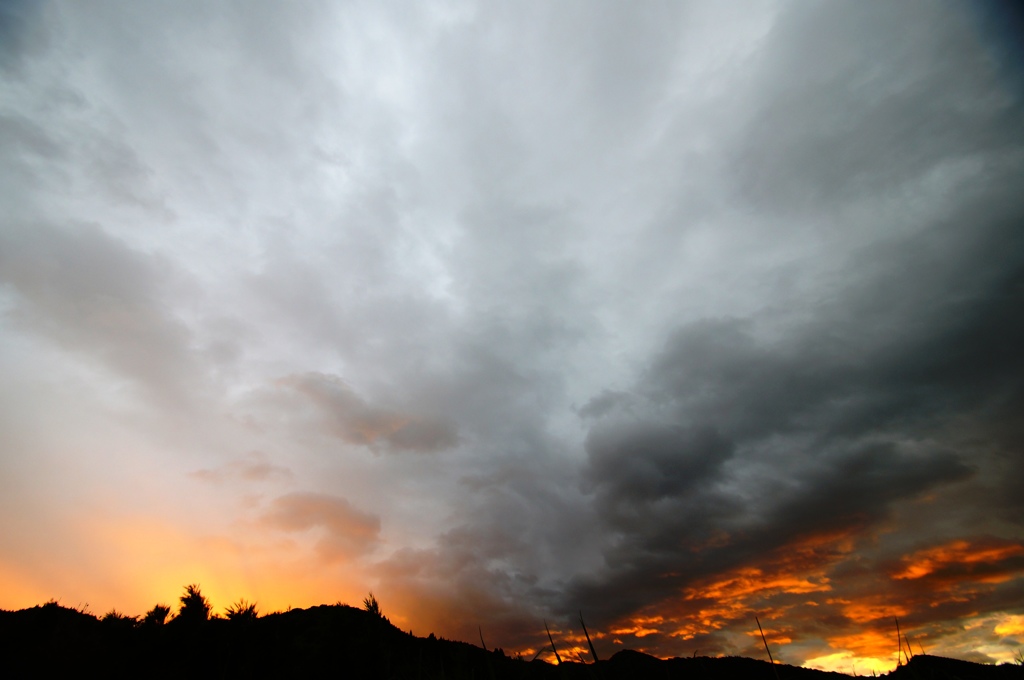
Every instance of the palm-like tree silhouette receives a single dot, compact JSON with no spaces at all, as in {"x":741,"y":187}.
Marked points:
{"x":194,"y":606}
{"x":156,"y":616}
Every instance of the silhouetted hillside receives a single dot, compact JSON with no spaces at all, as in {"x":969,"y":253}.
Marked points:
{"x":342,"y":641}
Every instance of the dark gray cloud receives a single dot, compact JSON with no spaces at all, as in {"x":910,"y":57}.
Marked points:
{"x":849,"y":390}
{"x":22,"y":34}
{"x":828,"y":426}
{"x":645,"y":463}
{"x":846,"y":127}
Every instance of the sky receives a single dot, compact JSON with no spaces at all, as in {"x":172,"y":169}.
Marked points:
{"x":672,"y":314}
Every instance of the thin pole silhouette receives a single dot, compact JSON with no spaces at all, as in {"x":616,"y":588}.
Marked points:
{"x":591,"y":644}
{"x":765,"y":641}
{"x":899,"y":643}
{"x":552,"y":640}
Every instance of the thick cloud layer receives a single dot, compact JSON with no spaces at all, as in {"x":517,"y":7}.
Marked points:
{"x":675,"y":314}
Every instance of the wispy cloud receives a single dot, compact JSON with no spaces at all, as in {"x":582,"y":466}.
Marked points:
{"x":346,"y":532}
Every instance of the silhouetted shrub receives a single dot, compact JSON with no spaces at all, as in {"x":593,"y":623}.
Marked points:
{"x":156,"y":616}
{"x":194,"y":606}
{"x":114,"y":615}
{"x":115,"y":620}
{"x":371,"y":605}
{"x":242,"y":611}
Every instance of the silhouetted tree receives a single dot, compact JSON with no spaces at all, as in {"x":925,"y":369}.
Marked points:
{"x":156,"y":616}
{"x":194,"y":607}
{"x":371,"y":605}
{"x":115,"y":619}
{"x":242,"y":611}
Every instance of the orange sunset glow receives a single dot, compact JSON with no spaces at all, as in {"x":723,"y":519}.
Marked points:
{"x":699,"y":322}
{"x":997,"y":561}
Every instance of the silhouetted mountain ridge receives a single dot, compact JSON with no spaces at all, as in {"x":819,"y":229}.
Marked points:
{"x":351,"y":643}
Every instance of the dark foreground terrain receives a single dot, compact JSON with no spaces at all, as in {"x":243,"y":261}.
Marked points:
{"x":344,"y":642}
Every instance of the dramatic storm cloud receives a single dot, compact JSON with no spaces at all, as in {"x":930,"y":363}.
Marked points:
{"x":675,"y":314}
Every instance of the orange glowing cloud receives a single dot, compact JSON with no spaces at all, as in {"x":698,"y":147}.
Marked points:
{"x":800,"y":568}
{"x":776,"y":635}
{"x":753,"y":581}
{"x":962,"y":556}
{"x":848,"y":663}
{"x":1011,"y":625}
{"x":865,"y":611}
{"x":866,"y":644}
{"x":640,"y":626}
